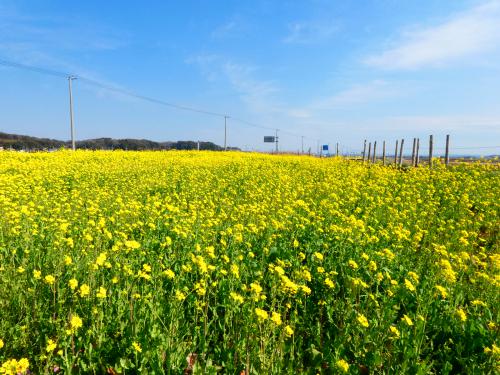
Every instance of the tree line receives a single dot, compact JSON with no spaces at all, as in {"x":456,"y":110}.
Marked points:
{"x":28,"y":143}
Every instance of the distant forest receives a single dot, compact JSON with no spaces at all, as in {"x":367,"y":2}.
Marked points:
{"x":27,"y":143}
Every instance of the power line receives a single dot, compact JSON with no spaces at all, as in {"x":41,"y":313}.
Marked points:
{"x":269,"y":128}
{"x":137,"y":96}
{"x":251,"y":124}
{"x":105,"y":86}
{"x":140,"y":96}
{"x":148,"y":98}
{"x":34,"y":69}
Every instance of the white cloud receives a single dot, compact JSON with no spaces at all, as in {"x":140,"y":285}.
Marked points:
{"x":309,"y":32}
{"x":464,"y":35}
{"x":358,"y":94}
{"x":232,"y":27}
{"x":257,"y":94}
{"x":224,"y":30}
{"x":451,"y":123}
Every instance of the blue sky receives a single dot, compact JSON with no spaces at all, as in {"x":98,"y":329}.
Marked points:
{"x":334,"y":71}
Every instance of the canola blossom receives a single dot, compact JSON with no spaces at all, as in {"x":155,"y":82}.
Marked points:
{"x":166,"y":262}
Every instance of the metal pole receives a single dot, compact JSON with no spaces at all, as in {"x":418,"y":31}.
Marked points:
{"x":276,"y":138}
{"x":447,"y":154}
{"x":431,"y":145}
{"x":73,"y":145}
{"x":225,"y":133}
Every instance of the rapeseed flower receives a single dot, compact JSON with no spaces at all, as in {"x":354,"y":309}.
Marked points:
{"x":441,"y":291}
{"x":102,"y":293}
{"x":49,"y":279}
{"x":407,"y":320}
{"x":261,"y":314}
{"x":73,"y":284}
{"x":137,"y":347}
{"x":236,"y":297}
{"x":342,"y":365}
{"x":461,"y":314}
{"x":75,"y":323}
{"x":395,"y":332}
{"x":363,"y":321}
{"x":409,"y":285}
{"x":276,"y":318}
{"x":51,"y":345}
{"x":84,"y":290}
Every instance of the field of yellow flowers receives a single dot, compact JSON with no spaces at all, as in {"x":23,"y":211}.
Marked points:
{"x":179,"y":262}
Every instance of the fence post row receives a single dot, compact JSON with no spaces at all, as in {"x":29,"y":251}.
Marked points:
{"x":415,"y":156}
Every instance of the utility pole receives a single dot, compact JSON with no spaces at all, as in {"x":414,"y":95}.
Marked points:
{"x":225,"y":132}
{"x":73,"y":145}
{"x":276,"y":139}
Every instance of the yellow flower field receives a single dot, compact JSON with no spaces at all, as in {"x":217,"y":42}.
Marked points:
{"x":171,"y":262}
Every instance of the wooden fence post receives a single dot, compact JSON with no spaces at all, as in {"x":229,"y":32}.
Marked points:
{"x":369,"y":151}
{"x":401,"y":152}
{"x":413,"y":152}
{"x":337,"y":151}
{"x":396,"y":153}
{"x":383,"y":153}
{"x":364,"y":151}
{"x":417,"y":153}
{"x":374,"y":152}
{"x":431,"y":146}
{"x":447,"y":153}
